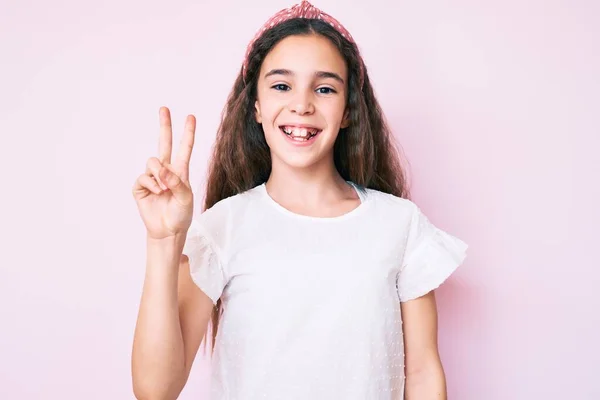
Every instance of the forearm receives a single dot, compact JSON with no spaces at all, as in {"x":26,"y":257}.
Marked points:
{"x":427,"y":383}
{"x":158,"y":359}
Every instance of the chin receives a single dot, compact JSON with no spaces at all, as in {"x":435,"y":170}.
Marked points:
{"x":301,"y":156}
{"x":296,"y":161}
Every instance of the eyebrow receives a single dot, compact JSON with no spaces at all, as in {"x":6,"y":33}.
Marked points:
{"x":318,"y":74}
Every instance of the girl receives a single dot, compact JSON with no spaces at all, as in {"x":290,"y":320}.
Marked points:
{"x":317,"y":270}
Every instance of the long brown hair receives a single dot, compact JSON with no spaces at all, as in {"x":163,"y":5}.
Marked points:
{"x":365,"y":152}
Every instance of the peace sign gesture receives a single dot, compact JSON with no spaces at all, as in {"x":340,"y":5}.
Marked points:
{"x":162,"y":193}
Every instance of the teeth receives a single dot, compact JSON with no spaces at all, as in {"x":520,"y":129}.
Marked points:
{"x":299,"y":132}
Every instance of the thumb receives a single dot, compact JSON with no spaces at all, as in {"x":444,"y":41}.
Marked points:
{"x":180,"y":190}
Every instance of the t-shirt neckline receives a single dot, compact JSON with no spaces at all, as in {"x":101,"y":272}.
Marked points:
{"x":356,"y":210}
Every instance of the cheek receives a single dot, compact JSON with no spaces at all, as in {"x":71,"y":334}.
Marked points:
{"x":269,"y":116}
{"x":268,"y":110}
{"x":335,"y":113}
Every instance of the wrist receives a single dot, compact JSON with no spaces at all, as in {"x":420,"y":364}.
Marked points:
{"x":163,"y":257}
{"x":167,"y":241}
{"x":168,"y":247}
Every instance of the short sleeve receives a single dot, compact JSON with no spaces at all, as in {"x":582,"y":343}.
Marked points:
{"x":205,"y":263}
{"x":431,"y":256}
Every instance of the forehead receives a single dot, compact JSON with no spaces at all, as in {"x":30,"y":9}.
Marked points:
{"x":306,"y":53}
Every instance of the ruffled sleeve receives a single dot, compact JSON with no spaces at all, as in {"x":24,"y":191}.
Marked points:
{"x":431,"y":256}
{"x":205,"y":262}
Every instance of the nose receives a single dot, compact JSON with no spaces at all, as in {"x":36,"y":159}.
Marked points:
{"x":302,"y":103}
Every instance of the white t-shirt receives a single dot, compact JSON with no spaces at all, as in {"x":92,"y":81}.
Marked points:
{"x":311,"y":306}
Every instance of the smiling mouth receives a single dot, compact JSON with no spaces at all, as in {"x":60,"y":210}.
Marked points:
{"x":300,"y":134}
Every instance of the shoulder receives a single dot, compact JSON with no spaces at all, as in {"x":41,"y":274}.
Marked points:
{"x":387,"y":203}
{"x":217,"y":225}
{"x":229,"y":208}
{"x":402,"y":214}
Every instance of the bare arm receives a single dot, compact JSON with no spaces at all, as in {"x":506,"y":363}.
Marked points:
{"x":172,"y":321}
{"x":174,"y":312}
{"x":425,"y":378}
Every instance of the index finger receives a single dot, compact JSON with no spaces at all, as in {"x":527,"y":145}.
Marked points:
{"x":185,"y":148}
{"x":165,"y":141}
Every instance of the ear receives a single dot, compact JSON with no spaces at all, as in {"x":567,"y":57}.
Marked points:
{"x":257,"y":114}
{"x":346,"y":120}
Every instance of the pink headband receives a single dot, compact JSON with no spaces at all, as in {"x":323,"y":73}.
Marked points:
{"x":302,"y":10}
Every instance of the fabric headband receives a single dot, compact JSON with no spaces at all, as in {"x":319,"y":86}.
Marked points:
{"x":302,"y":10}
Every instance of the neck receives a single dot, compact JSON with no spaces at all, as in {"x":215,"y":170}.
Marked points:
{"x":313,"y":185}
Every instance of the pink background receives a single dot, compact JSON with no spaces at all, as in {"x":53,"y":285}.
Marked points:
{"x":496,"y":105}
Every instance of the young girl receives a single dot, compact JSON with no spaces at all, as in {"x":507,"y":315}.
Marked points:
{"x":317,"y":270}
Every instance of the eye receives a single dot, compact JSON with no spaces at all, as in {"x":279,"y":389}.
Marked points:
{"x":280,"y":87}
{"x":326,"y":90}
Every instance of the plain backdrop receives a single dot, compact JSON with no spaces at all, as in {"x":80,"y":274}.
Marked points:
{"x":495,"y":104}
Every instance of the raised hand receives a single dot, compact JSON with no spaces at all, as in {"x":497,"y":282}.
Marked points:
{"x":163,"y":194}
